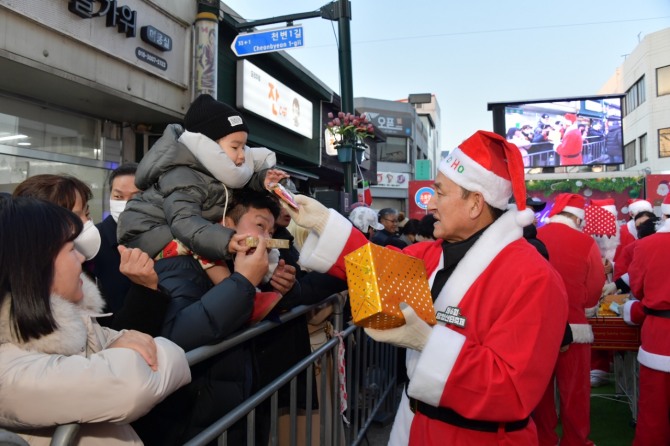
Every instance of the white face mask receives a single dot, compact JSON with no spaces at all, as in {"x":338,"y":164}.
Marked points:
{"x":88,"y":242}
{"x":116,"y":207}
{"x":273,"y":261}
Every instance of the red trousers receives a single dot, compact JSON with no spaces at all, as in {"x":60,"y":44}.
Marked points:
{"x":653,"y":416}
{"x":572,"y":375}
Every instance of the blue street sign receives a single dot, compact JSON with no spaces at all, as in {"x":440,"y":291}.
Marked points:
{"x":268,"y":41}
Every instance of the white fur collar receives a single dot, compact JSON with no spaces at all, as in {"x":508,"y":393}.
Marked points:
{"x":71,"y":336}
{"x":665,"y":226}
{"x":632,"y":228}
{"x":494,"y":239}
{"x":564,"y":220}
{"x":216,"y":161}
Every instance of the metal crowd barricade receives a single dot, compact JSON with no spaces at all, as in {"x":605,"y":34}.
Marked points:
{"x":593,"y":151}
{"x":370,"y":385}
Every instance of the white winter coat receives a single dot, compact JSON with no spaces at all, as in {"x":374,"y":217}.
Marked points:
{"x":69,"y":376}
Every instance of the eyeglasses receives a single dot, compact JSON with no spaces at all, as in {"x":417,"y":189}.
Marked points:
{"x":390,"y":221}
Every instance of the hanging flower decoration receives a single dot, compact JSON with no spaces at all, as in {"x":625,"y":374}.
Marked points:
{"x":348,"y":128}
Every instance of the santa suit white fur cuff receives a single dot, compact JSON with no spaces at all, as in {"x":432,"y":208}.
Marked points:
{"x":582,"y":333}
{"x":626,"y":311}
{"x":320,"y":253}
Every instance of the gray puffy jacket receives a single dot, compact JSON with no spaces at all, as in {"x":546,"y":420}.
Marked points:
{"x":180,"y":199}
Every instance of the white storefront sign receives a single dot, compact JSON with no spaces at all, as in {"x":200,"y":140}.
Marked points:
{"x":260,"y":93}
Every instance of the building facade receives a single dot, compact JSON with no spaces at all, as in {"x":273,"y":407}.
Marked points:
{"x":87,"y":85}
{"x":644,"y":78}
{"x":406,"y":142}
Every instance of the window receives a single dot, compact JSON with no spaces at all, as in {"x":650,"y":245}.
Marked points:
{"x":629,"y":150}
{"x":664,"y":142}
{"x":394,"y":150}
{"x":634,"y":96}
{"x":643,"y":148}
{"x":14,"y":169}
{"x":663,"y":80}
{"x":30,"y":126}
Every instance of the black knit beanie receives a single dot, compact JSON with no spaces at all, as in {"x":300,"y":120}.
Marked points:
{"x":213,"y":119}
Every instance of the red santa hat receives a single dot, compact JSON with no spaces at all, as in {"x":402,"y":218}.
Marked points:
{"x":570,"y":203}
{"x":638,"y":205}
{"x":488,"y":164}
{"x":570,"y":117}
{"x":665,"y":206}
{"x":607,"y":204}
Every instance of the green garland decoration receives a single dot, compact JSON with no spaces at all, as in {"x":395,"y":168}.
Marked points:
{"x":616,"y":184}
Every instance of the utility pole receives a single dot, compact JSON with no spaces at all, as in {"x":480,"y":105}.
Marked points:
{"x":340,"y":11}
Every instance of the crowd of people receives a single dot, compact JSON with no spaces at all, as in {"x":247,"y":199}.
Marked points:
{"x":567,"y":136}
{"x":95,"y":319}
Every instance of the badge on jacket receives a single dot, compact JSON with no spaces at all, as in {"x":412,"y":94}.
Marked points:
{"x":452,"y":315}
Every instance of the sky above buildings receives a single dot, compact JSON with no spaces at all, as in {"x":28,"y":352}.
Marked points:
{"x":470,"y":53}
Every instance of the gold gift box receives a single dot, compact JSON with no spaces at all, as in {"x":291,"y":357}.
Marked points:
{"x":379,"y":279}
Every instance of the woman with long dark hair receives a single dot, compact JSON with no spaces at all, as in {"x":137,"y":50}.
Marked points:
{"x":57,"y":365}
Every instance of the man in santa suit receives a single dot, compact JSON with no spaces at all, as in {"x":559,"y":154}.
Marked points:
{"x":476,"y":379}
{"x":576,"y":257}
{"x":570,"y":147}
{"x":628,"y":233}
{"x":650,"y":282}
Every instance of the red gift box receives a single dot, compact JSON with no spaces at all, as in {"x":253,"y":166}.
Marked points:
{"x":612,"y":333}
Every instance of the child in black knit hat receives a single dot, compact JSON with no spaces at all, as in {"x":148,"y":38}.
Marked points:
{"x":185,"y":180}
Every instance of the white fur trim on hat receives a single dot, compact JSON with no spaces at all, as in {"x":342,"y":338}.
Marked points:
{"x":665,"y":209}
{"x":638,"y":206}
{"x":577,"y":212}
{"x":470,"y":175}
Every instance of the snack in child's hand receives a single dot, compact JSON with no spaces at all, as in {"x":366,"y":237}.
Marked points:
{"x":284,"y":194}
{"x":271,"y":242}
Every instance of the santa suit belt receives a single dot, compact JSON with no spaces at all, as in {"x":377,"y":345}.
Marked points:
{"x":451,"y":417}
{"x":657,"y":313}
{"x":571,"y":156}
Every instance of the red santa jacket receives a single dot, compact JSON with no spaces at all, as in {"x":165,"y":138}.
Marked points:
{"x":497,"y":366}
{"x":622,"y":265}
{"x":650,"y":283}
{"x":576,"y":257}
{"x":570,"y":148}
{"x":627,"y":235}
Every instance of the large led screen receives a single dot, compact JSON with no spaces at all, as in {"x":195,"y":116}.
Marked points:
{"x":567,"y":132}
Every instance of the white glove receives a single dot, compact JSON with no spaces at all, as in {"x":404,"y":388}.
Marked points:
{"x":414,"y":334}
{"x":311,"y":215}
{"x":608,"y":289}
{"x":591,"y":312}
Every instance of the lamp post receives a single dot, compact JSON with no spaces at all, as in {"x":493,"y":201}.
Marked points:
{"x":346,"y":79}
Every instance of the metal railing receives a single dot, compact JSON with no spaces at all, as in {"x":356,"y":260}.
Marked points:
{"x":542,"y":154}
{"x":370,"y":385}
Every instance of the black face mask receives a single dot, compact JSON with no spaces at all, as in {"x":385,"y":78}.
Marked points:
{"x":646,"y":228}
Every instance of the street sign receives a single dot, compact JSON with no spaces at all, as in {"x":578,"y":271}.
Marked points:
{"x":268,"y":41}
